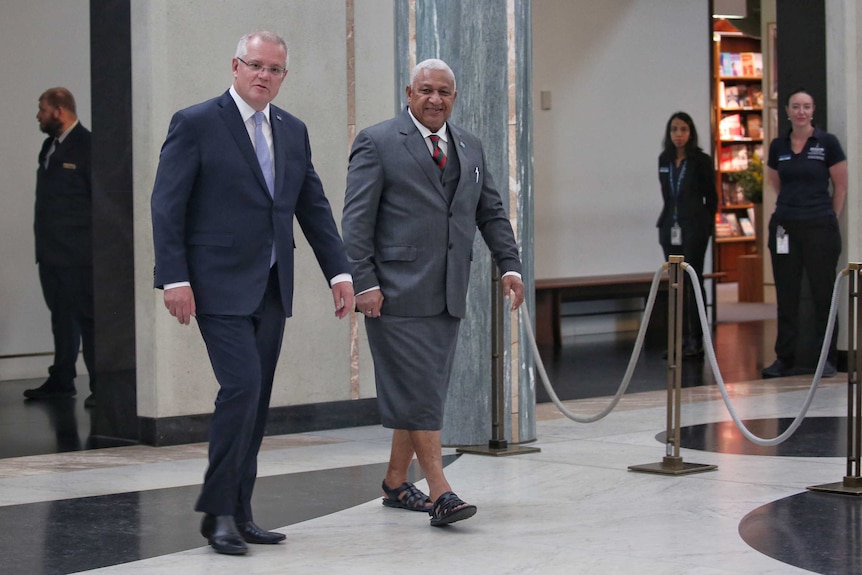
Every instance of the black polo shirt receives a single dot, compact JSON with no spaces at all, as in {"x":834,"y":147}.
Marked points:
{"x":804,"y":177}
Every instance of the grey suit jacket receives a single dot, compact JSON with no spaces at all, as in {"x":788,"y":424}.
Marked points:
{"x":402,"y":233}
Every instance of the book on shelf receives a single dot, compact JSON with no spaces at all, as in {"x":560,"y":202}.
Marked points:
{"x":731,"y":96}
{"x":747,"y":64}
{"x":731,"y":193}
{"x":733,"y":158}
{"x":747,"y":60}
{"x":754,"y":126}
{"x":742,"y":96}
{"x":755,"y":95}
{"x":725,"y":159}
{"x":736,"y":64}
{"x":758,"y":64}
{"x":725,"y":64}
{"x":758,"y":149}
{"x":746,"y":226}
{"x":722,"y":227}
{"x":751,"y":217}
{"x":730,"y":218}
{"x":730,"y":127}
{"x":739,"y":156}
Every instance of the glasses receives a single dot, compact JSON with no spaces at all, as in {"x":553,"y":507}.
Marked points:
{"x":257,"y":68}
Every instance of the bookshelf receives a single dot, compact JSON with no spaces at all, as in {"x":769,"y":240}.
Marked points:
{"x":739,"y":106}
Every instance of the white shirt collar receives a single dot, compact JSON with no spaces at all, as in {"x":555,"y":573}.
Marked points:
{"x":62,"y":136}
{"x":425,"y":131}
{"x":246,"y":111}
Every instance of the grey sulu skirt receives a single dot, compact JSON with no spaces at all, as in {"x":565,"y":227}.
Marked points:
{"x":412,"y":364}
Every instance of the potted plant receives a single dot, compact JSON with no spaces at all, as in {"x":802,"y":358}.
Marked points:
{"x":751,"y":180}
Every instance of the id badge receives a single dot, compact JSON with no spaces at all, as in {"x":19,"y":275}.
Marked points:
{"x":676,"y":235}
{"x":782,"y":241}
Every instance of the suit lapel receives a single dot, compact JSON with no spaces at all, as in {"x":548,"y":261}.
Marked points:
{"x":415,"y":144}
{"x":279,"y":146}
{"x":232,"y":119}
{"x":459,"y":147}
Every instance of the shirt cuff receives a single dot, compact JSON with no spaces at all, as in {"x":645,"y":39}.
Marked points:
{"x":369,"y":289}
{"x":166,"y":287}
{"x":516,"y":274}
{"x":340,"y":278}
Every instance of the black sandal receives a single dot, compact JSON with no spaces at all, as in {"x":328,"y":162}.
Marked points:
{"x":413,"y":500}
{"x":449,"y":508}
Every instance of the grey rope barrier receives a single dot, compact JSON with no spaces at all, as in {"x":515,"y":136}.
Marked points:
{"x":710,"y":352}
{"x":818,"y":373}
{"x":633,"y":360}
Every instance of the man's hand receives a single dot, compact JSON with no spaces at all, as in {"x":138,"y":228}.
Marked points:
{"x":180,"y":301}
{"x":513,"y":284}
{"x":370,"y":303}
{"x":342,"y":296}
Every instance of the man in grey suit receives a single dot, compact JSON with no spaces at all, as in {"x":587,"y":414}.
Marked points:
{"x":234,"y":173}
{"x":417,"y":191}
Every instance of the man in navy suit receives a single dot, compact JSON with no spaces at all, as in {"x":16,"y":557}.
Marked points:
{"x":233,"y":173}
{"x":63,"y":227}
{"x":417,"y":191}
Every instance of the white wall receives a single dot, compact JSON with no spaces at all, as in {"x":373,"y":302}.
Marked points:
{"x":616,"y":71}
{"x":45,"y":43}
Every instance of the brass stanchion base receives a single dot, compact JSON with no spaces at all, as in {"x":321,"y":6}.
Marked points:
{"x":850,"y":486}
{"x":497,"y":448}
{"x":672,"y":466}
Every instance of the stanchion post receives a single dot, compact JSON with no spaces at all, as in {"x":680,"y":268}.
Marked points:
{"x":497,"y":445}
{"x":672,"y":463}
{"x":852,"y":483}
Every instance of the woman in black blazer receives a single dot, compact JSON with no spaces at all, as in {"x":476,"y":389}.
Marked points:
{"x":687,"y":178}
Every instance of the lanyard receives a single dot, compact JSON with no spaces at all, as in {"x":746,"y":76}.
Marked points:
{"x":675,"y":185}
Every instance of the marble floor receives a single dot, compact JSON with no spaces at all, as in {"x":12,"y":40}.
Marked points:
{"x":573,"y":507}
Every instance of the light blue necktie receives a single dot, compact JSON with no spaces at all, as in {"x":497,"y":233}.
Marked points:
{"x":261,"y":149}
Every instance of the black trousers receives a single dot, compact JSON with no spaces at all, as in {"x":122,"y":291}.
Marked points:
{"x":815,"y":246}
{"x":243,"y":351}
{"x":68,"y":292}
{"x":693,"y":250}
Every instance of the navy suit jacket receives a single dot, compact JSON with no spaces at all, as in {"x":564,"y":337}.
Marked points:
{"x":63,"y":223}
{"x":214,"y":222}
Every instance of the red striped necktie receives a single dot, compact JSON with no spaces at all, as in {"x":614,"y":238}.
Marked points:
{"x":437,"y":154}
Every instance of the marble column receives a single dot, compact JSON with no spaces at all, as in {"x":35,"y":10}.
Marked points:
{"x":844,"y":87}
{"x":487,"y":44}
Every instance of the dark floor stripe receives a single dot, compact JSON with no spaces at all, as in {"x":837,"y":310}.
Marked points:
{"x":819,"y":532}
{"x":72,"y":535}
{"x":815,"y":437}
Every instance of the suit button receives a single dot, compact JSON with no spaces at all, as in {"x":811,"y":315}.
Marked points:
{"x":450,"y":214}
{"x":450,"y":246}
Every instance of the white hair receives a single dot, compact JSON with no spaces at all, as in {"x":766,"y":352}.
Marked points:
{"x":432,"y":64}
{"x":264,"y":35}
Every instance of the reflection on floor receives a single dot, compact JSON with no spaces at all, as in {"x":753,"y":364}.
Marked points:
{"x":573,"y":507}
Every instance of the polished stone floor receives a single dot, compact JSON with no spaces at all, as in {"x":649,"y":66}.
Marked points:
{"x":573,"y":507}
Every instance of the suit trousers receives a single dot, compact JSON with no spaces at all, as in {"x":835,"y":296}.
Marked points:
{"x":243,"y":351}
{"x":68,"y":292}
{"x":693,"y":250}
{"x":815,"y":246}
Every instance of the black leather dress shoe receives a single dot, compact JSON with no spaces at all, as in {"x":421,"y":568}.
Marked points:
{"x":254,"y":534}
{"x":50,"y":389}
{"x":222,"y":534}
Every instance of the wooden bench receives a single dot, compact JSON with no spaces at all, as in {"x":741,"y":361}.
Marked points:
{"x":552,"y":293}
